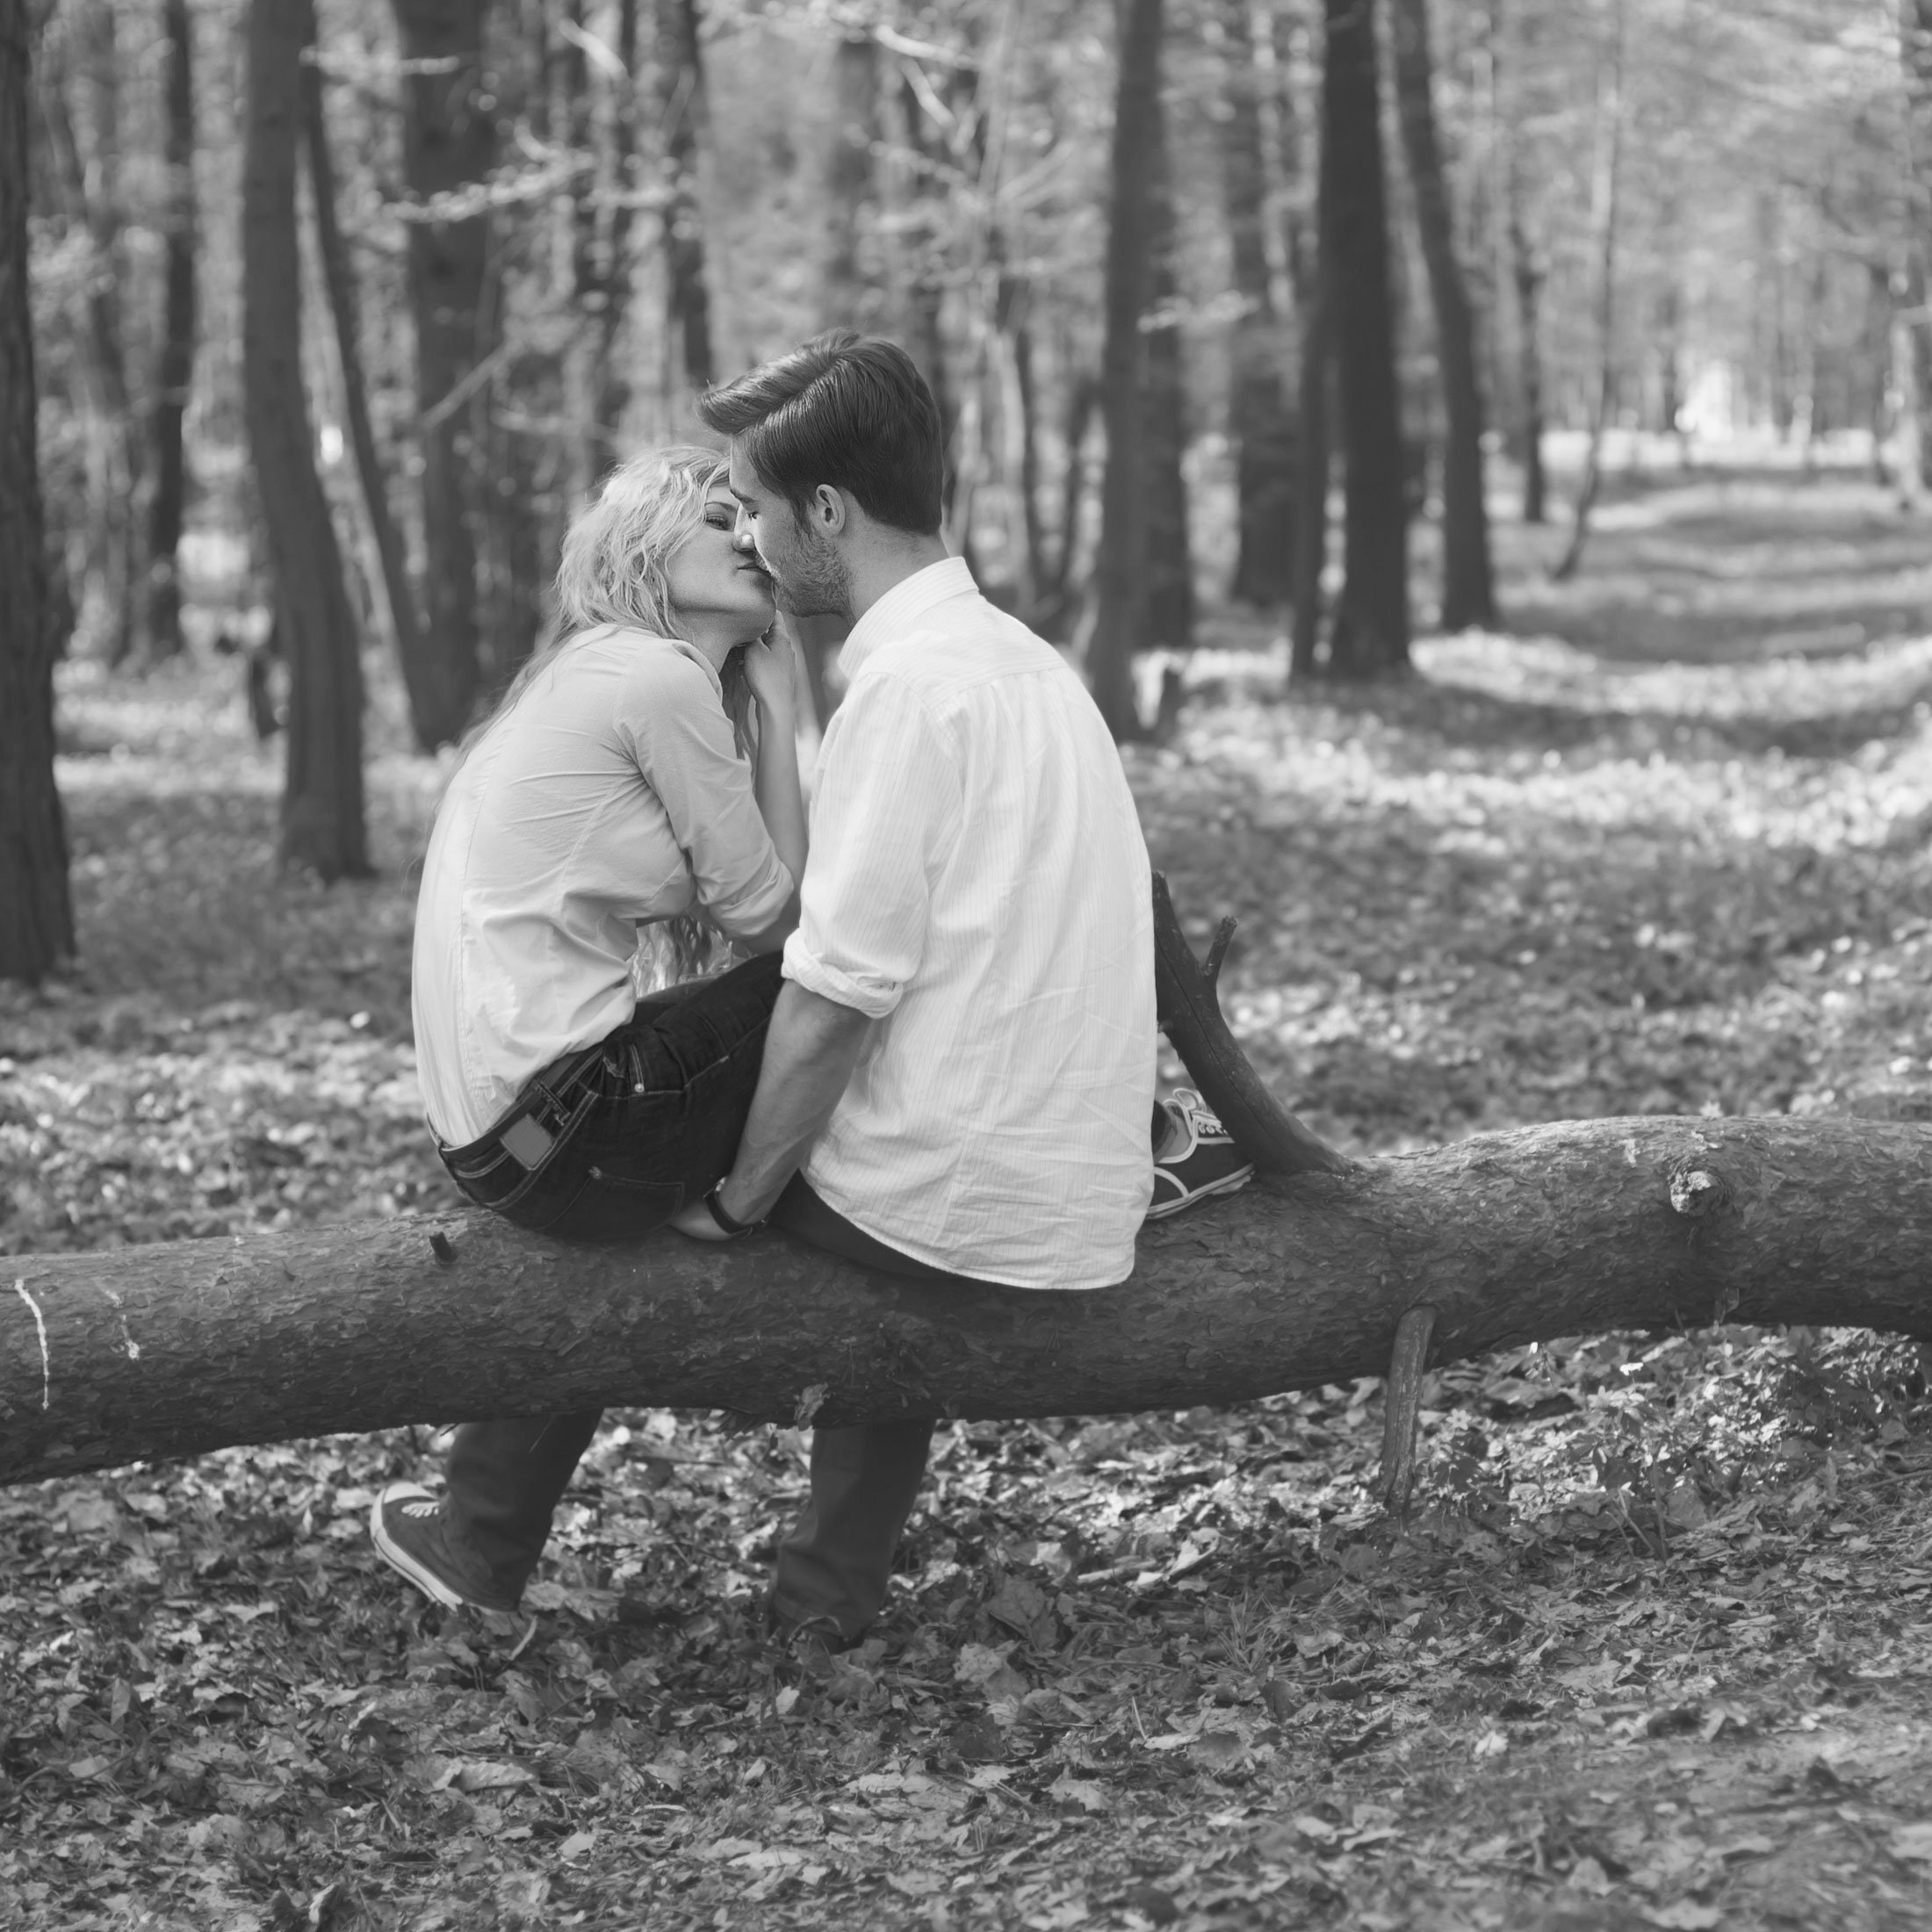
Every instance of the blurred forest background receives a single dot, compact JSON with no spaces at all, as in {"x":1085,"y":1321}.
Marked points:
{"x":338,"y":311}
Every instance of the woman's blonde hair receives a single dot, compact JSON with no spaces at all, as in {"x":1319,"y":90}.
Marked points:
{"x":616,"y":554}
{"x":615,"y":571}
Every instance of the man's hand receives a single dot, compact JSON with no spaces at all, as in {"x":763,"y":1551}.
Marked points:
{"x":696,"y":1221}
{"x":810,"y":1052}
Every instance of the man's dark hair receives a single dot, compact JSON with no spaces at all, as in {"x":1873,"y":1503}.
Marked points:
{"x":846,"y":409}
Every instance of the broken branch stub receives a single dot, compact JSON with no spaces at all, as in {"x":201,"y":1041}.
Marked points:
{"x":1190,"y":1016}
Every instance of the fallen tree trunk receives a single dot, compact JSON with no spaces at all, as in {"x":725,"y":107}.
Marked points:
{"x":171,"y":1350}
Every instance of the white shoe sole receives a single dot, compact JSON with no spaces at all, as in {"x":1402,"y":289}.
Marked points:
{"x":399,"y":1559}
{"x":1228,"y":1184}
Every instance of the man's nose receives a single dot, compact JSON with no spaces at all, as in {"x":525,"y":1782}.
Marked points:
{"x":741,"y":533}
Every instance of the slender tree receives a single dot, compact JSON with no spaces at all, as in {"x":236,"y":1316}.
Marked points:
{"x":338,"y":272}
{"x":851,"y":295}
{"x":1259,"y":424}
{"x":681,"y":70}
{"x":449,"y":147}
{"x":1606,"y":191}
{"x":322,"y":823}
{"x":159,"y":616}
{"x":88,"y":181}
{"x":1509,"y":39}
{"x":1468,"y":584}
{"x":37,"y":924}
{"x":1170,"y":574}
{"x":1369,"y":638}
{"x":1120,"y":623}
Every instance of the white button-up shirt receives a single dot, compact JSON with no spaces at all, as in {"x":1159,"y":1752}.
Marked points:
{"x":979,"y":884}
{"x":610,"y":795}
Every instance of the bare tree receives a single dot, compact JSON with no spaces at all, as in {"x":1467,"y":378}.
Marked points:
{"x":1259,"y":425}
{"x":1606,"y":189}
{"x":1121,"y":625}
{"x":681,"y":70}
{"x":345,"y":309}
{"x":1369,"y":638}
{"x":851,"y":293}
{"x":1468,"y":584}
{"x":322,"y":821}
{"x":158,"y":617}
{"x":36,"y":929}
{"x":1527,"y":269}
{"x":449,"y":146}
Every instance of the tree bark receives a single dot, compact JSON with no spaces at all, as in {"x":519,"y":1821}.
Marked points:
{"x":1606,"y":193}
{"x":1258,"y":423}
{"x":1650,"y":1222}
{"x":345,"y":308}
{"x":37,"y":926}
{"x":1468,"y":584}
{"x":1370,"y":636}
{"x":1170,"y":570}
{"x":851,"y":298}
{"x":1121,"y":628}
{"x":90,"y":187}
{"x":681,"y":71}
{"x":159,"y":617}
{"x":1915,"y":52}
{"x":449,"y":146}
{"x":322,"y":820}
{"x":1527,"y":268}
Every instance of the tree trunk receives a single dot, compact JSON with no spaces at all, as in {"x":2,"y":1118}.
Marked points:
{"x":851,"y":298}
{"x":322,"y":825}
{"x":1057,"y":591}
{"x":924,"y":243}
{"x":688,"y":306}
{"x":88,"y":186}
{"x":345,"y":309}
{"x":611,"y":398}
{"x":1508,"y":1239}
{"x":1121,"y":628}
{"x":1606,"y":191}
{"x":1527,"y":275}
{"x":1915,"y":51}
{"x":1370,"y":637}
{"x":159,"y":617}
{"x":1311,"y":527}
{"x":36,"y":929}
{"x":1258,"y":422}
{"x":1170,"y":570}
{"x":449,"y":147}
{"x":1468,"y":585}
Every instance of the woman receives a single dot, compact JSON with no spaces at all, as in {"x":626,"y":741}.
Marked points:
{"x":640,"y":773}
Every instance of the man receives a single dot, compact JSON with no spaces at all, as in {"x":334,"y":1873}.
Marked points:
{"x":958,"y":1079}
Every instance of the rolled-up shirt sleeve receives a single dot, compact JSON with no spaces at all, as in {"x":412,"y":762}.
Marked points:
{"x":676,"y":726}
{"x":886,"y":808}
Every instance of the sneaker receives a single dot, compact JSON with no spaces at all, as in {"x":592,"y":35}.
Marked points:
{"x":406,"y":1524}
{"x":1204,"y":1160}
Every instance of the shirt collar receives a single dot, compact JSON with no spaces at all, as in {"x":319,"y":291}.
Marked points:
{"x":911,"y":597}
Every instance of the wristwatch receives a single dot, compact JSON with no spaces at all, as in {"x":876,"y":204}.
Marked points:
{"x":732,"y":1227}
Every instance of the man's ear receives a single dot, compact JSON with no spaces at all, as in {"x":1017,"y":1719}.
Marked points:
{"x":827,"y":511}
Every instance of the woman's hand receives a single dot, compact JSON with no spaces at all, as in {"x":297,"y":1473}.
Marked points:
{"x":771,"y":669}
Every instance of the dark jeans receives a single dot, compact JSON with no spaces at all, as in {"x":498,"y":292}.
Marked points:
{"x":638,"y":1126}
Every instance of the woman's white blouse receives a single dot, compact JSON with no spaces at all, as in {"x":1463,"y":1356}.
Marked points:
{"x":610,"y":794}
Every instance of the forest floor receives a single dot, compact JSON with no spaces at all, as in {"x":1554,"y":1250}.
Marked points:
{"x":1653,"y":1649}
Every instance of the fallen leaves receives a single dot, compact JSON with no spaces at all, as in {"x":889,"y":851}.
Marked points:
{"x":1650,"y":1647}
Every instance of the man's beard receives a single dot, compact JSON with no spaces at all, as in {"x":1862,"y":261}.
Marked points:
{"x":816,"y":582}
